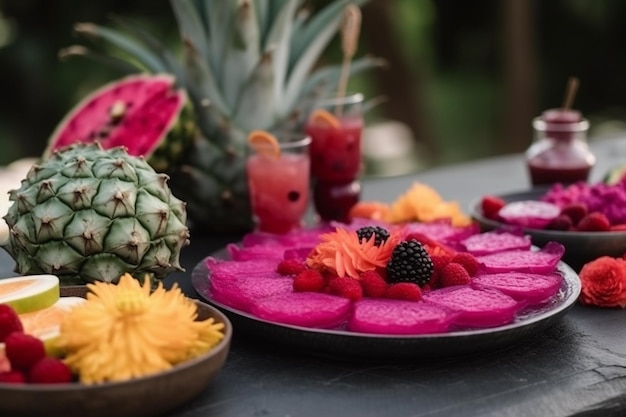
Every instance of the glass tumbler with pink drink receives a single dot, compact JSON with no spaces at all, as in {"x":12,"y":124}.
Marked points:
{"x":335,"y":128}
{"x":278,"y":171}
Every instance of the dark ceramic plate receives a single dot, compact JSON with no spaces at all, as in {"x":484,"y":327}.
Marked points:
{"x":362,"y":346}
{"x":580,"y":247}
{"x":148,"y":396}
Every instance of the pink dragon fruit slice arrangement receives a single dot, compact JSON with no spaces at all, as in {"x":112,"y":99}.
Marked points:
{"x":496,"y":277}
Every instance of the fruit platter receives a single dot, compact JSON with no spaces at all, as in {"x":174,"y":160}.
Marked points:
{"x":586,"y":219}
{"x":367,"y":289}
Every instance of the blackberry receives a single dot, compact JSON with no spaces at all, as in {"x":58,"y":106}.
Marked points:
{"x":410,"y":263}
{"x":365,"y":233}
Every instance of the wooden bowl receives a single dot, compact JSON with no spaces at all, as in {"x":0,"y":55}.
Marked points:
{"x":148,"y":396}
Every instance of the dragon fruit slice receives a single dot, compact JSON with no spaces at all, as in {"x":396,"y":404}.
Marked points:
{"x":476,"y":307}
{"x":539,"y":262}
{"x":243,"y":291}
{"x":532,"y":214}
{"x":495,"y":241}
{"x":135,"y":112}
{"x":228,"y":269}
{"x":267,"y":251}
{"x":533,"y":288}
{"x":308,"y":309}
{"x":399,"y":317}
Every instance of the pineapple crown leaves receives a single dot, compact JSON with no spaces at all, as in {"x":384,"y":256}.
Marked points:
{"x":246,"y":63}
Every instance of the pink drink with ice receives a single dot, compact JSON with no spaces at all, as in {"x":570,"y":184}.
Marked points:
{"x":279,"y":189}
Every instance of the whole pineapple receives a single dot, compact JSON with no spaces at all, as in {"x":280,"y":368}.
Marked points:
{"x":246,"y":64}
{"x":87,"y":214}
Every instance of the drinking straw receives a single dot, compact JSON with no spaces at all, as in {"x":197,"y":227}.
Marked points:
{"x":570,"y":92}
{"x":350,"y":30}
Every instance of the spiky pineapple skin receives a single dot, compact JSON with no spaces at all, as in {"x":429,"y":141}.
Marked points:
{"x":87,"y":214}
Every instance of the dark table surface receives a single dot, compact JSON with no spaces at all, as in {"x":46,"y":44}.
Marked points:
{"x":576,"y":367}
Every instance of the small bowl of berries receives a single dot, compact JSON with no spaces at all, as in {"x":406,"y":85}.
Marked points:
{"x":588,"y":219}
{"x":104,"y":349}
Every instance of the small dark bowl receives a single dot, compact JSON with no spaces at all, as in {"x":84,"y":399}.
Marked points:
{"x":580,"y":247}
{"x":148,"y":396}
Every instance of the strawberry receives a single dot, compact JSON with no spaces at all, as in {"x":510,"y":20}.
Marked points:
{"x":23,"y":350}
{"x":404,"y":291}
{"x":346,"y":287}
{"x":374,"y":285}
{"x":12,"y":377}
{"x":575,"y":211}
{"x":309,"y":280}
{"x":453,"y":274}
{"x":49,"y":370}
{"x":594,"y":222}
{"x":491,"y":205}
{"x":290,"y":267}
{"x":561,"y":222}
{"x":9,"y":322}
{"x":467,"y":261}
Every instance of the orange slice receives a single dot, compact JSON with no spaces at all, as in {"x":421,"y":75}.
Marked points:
{"x":264,"y":143}
{"x":321,"y":117}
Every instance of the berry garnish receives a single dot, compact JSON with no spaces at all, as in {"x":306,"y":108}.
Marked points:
{"x":345,"y":287}
{"x":491,"y":205}
{"x":9,"y":322}
{"x":453,"y":274}
{"x":365,"y":233}
{"x":309,"y":280}
{"x":374,"y":285}
{"x":404,"y":291}
{"x":290,"y":267}
{"x":23,"y":350}
{"x":561,"y":222}
{"x":467,"y":261}
{"x":12,"y":377}
{"x":594,"y":222}
{"x":49,"y":370}
{"x":410,"y":263}
{"x":575,"y":211}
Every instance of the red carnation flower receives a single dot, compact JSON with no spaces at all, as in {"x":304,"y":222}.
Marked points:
{"x":604,"y":282}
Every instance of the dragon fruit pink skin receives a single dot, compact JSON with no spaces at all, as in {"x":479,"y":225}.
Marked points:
{"x":135,"y":112}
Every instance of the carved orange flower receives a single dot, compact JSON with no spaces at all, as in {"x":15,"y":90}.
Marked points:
{"x":341,"y":253}
{"x":604,"y":282}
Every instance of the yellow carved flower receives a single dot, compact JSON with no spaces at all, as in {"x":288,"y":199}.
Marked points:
{"x":125,"y":331}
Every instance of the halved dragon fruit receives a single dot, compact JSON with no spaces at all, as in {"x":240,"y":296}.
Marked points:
{"x":495,"y":241}
{"x":476,"y":307}
{"x":308,"y":309}
{"x":533,"y":288}
{"x":539,"y":262}
{"x":384,"y":316}
{"x":136,"y":112}
{"x":532,"y":214}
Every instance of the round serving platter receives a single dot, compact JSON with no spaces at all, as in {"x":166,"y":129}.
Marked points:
{"x":356,"y":346}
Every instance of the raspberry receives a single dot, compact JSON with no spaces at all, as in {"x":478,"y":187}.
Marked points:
{"x":12,"y":377}
{"x":594,"y":222}
{"x":410,"y":263}
{"x":345,"y":287}
{"x":290,"y":267}
{"x":467,"y":261}
{"x":9,"y":322}
{"x":404,"y":291}
{"x":365,"y":233}
{"x":309,"y":280}
{"x":491,"y":205}
{"x":374,"y":285}
{"x":23,"y":350}
{"x":560,"y":222}
{"x":575,"y":211}
{"x":50,"y":370}
{"x":453,"y":274}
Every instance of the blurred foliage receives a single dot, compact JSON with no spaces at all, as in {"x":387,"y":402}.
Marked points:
{"x":456,"y":47}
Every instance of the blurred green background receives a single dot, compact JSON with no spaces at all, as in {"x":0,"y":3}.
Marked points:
{"x":463,"y":79}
